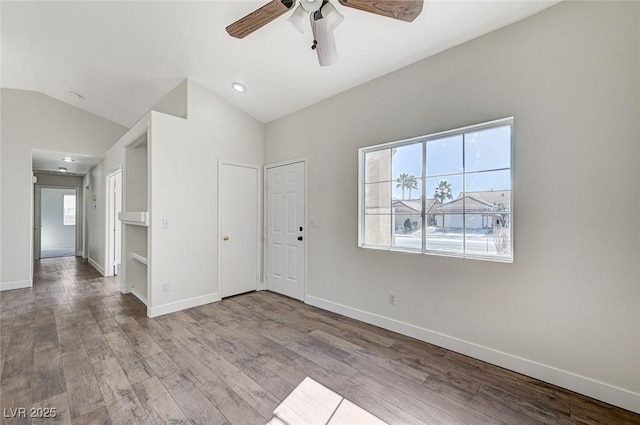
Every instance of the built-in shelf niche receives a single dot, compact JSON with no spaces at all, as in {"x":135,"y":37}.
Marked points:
{"x":136,"y":185}
{"x":135,"y":216}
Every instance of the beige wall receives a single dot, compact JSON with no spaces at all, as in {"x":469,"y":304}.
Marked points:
{"x":567,"y":309}
{"x":31,"y":120}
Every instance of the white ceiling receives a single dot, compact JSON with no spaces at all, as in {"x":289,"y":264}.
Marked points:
{"x":124,"y":56}
{"x":48,"y":161}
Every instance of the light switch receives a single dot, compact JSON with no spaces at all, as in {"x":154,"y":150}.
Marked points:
{"x":313,"y":222}
{"x":165,"y":223}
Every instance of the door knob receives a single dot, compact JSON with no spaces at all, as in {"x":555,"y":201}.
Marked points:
{"x":226,"y":238}
{"x":299,"y":238}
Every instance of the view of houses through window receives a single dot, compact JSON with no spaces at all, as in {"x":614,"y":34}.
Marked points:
{"x":448,"y":193}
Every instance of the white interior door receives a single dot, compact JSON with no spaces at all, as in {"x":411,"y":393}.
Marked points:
{"x":285,"y":229}
{"x":117,"y":203}
{"x":36,"y":223}
{"x":238,"y":228}
{"x":114,"y":183}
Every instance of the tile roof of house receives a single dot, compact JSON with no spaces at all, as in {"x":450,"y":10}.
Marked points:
{"x":477,"y":201}
{"x":493,"y":197}
{"x":470,"y":204}
{"x":416,"y":204}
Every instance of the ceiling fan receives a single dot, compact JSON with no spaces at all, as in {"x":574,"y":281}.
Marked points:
{"x":324,"y":18}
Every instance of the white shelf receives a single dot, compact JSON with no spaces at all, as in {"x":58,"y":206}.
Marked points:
{"x":138,"y":218}
{"x":140,"y":257}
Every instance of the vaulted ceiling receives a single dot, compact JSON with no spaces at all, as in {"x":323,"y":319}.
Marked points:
{"x":124,"y":56}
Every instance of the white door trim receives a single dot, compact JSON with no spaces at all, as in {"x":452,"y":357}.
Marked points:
{"x":222,"y":162}
{"x":305,"y":161}
{"x":108,"y":267}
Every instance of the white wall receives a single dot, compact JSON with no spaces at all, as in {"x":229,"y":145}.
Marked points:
{"x":32,"y":120}
{"x":184,"y":157}
{"x":175,"y":103}
{"x":96,"y":217}
{"x":68,"y":181}
{"x":54,"y":233}
{"x":567,"y":310}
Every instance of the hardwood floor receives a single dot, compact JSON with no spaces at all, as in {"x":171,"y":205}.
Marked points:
{"x":74,"y":343}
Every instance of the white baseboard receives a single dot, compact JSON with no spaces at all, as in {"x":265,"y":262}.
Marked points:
{"x":182,"y":304}
{"x":19,"y":284}
{"x":139,"y":296}
{"x":97,"y":266}
{"x":562,"y":378}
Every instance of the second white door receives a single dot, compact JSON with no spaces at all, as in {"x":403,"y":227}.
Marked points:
{"x":238,"y":209}
{"x":114,"y":188}
{"x":285,"y":229}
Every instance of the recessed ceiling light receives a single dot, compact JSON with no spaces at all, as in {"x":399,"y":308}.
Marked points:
{"x":239,"y":87}
{"x":62,"y":169}
{"x":68,"y":159}
{"x":76,"y":94}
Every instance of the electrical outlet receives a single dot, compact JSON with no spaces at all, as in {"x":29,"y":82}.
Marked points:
{"x":166,"y":286}
{"x":392,"y":298}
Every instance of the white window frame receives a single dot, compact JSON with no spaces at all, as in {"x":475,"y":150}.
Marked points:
{"x":424,"y":139}
{"x":64,"y":211}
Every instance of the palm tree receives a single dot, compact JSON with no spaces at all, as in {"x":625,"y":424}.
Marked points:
{"x":411,"y":183}
{"x":406,"y":181}
{"x":442,"y":192}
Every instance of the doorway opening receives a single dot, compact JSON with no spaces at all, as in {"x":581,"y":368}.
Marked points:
{"x":56,"y":216}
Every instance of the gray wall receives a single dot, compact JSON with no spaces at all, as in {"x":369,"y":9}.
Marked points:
{"x":567,"y":309}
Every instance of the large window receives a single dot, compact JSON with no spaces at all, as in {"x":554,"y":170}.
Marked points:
{"x":447,"y":193}
{"x":69,"y":213}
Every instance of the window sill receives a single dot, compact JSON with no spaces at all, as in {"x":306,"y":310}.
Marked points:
{"x":508,"y":260}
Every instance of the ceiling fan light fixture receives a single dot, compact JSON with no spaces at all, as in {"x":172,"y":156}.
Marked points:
{"x":324,"y":42}
{"x":299,"y":18}
{"x":68,"y":159}
{"x":239,"y":87}
{"x":311,"y":5}
{"x":332,"y":16}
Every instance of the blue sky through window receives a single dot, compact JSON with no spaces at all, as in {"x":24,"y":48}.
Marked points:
{"x":484,"y":151}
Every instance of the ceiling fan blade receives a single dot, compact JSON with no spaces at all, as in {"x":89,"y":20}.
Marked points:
{"x":259,"y":18}
{"x":404,"y":10}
